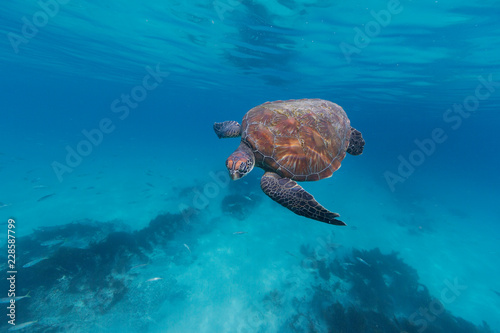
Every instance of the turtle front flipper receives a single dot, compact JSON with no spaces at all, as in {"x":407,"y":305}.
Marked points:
{"x":227,"y":129}
{"x":291,"y":195}
{"x":356,"y":143}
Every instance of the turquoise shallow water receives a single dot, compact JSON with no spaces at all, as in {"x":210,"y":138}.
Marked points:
{"x":112,"y":172}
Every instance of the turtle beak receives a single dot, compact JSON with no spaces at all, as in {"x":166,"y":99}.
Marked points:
{"x":234,"y":174}
{"x":232,"y":168}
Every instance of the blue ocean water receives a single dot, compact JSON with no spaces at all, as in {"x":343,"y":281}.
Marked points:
{"x":124,"y":216}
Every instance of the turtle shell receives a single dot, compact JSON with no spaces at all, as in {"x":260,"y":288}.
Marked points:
{"x":304,"y":139}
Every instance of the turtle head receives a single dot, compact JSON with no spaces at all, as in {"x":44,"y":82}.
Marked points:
{"x":241,"y":162}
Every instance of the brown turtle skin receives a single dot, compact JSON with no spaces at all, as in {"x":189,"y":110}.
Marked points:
{"x":304,"y":140}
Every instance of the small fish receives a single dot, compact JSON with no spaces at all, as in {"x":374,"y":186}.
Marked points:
{"x":23,"y":325}
{"x":239,"y":232}
{"x":2,"y":205}
{"x":347,"y":264}
{"x":496,"y":292}
{"x":150,"y":185}
{"x":34,"y":262}
{"x":37,"y":187}
{"x":333,"y":246}
{"x":154,"y":279}
{"x":248,"y":198}
{"x":187,"y":247}
{"x":52,"y":242}
{"x":17,"y":298}
{"x":363,"y":262}
{"x":45,"y":197}
{"x":139,"y":266}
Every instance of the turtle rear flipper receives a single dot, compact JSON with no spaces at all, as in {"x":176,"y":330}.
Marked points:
{"x":291,"y":195}
{"x":227,"y":129}
{"x":356,"y":143}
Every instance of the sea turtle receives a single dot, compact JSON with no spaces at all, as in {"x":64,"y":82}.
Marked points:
{"x":294,"y":140}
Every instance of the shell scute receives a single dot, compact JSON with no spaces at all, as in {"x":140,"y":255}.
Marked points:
{"x":262,"y":138}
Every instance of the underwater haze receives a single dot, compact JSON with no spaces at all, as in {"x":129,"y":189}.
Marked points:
{"x":117,"y":209}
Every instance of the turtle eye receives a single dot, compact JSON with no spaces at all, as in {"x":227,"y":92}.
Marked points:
{"x":243,"y":167}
